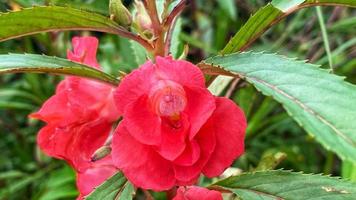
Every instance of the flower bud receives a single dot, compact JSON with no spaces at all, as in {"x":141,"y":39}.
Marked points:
{"x":101,"y":153}
{"x":142,"y":19}
{"x":119,"y":13}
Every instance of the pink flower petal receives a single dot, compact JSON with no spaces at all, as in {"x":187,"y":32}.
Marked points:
{"x":93,"y":96}
{"x":180,"y":71}
{"x":230,"y":133}
{"x":140,"y":163}
{"x":206,"y":140}
{"x":84,"y":51}
{"x":90,"y":137}
{"x":197,"y":193}
{"x":74,"y":144}
{"x":190,"y":155}
{"x":134,"y":85}
{"x":142,"y":123}
{"x":48,"y":142}
{"x":57,"y":110}
{"x":201,"y":105}
{"x":95,"y":175}
{"x":173,"y":140}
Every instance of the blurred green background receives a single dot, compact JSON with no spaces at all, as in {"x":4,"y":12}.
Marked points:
{"x":206,"y":26}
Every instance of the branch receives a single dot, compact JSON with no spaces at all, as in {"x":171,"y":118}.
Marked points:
{"x":175,"y":12}
{"x":152,"y":12}
{"x":135,"y":37}
{"x":170,"y":21}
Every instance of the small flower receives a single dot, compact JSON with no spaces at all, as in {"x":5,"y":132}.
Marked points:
{"x":80,"y":115}
{"x":173,"y":128}
{"x":197,"y":193}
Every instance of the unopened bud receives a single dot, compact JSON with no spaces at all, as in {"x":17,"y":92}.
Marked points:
{"x":119,"y":13}
{"x":142,"y":19}
{"x":101,"y":153}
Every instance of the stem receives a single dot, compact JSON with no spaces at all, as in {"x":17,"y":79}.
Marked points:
{"x":170,"y":194}
{"x":152,"y":12}
{"x":148,"y":195}
{"x":328,"y":167}
{"x":157,"y":27}
{"x":325,"y":37}
{"x":165,"y":9}
{"x":135,"y":37}
{"x":175,"y":12}
{"x":162,"y":31}
{"x":169,"y":23}
{"x":169,"y":34}
{"x":232,"y":88}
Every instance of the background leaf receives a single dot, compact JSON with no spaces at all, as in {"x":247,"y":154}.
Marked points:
{"x":279,"y":184}
{"x":59,"y":185}
{"x":229,"y":7}
{"x":320,"y":102}
{"x":15,"y":63}
{"x":267,"y":16}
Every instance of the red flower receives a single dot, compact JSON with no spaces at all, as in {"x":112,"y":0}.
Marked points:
{"x":80,"y":115}
{"x":79,"y":120}
{"x":197,"y":193}
{"x":173,"y":127}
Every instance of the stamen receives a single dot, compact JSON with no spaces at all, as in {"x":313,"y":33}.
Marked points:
{"x":168,"y":99}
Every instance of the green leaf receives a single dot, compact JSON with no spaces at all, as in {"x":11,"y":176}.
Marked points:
{"x":284,"y":5}
{"x":116,"y":187}
{"x":8,"y":93}
{"x":139,"y":52}
{"x":15,"y":105}
{"x":348,"y":170}
{"x":269,"y":15}
{"x":344,"y":25}
{"x":60,"y":185}
{"x":279,"y":185}
{"x":21,"y":183}
{"x":11,"y":174}
{"x":15,"y":63}
{"x":53,"y":18}
{"x":322,"y":103}
{"x":229,"y":7}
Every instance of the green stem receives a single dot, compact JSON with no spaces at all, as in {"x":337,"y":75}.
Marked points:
{"x":325,"y":36}
{"x":329,"y":164}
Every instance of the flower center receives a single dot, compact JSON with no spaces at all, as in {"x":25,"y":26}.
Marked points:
{"x":168,"y":99}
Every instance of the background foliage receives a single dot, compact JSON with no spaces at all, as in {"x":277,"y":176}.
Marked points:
{"x":206,"y":26}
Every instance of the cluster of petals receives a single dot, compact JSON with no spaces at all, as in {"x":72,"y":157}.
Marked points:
{"x":79,"y":118}
{"x":173,"y":128}
{"x":197,"y":193}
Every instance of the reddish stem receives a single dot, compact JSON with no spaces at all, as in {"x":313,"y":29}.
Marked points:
{"x":159,"y":33}
{"x":170,"y":194}
{"x":133,"y":36}
{"x":152,"y":12}
{"x":175,"y":12}
{"x":169,"y":23}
